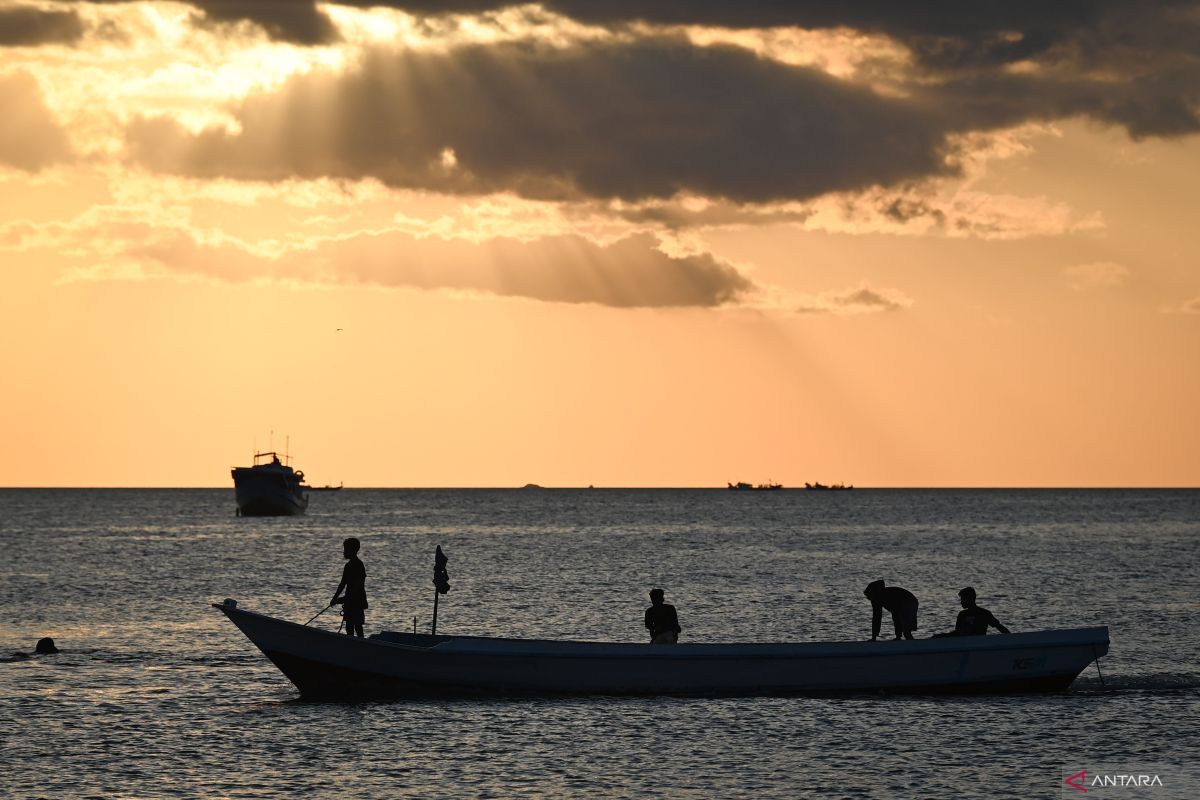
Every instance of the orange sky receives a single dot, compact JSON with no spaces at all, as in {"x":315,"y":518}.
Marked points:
{"x":573,"y":246}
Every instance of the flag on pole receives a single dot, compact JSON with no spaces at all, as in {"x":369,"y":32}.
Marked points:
{"x":441,"y":579}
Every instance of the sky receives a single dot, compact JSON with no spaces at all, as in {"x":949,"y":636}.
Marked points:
{"x":600,"y":242}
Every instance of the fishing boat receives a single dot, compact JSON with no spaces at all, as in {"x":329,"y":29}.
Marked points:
{"x":269,"y":488}
{"x":327,"y":665}
{"x":761,"y":487}
{"x":818,"y":486}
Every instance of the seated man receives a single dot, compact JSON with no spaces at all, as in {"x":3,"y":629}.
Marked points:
{"x":900,"y":602}
{"x":973,"y":620}
{"x":661,"y":620}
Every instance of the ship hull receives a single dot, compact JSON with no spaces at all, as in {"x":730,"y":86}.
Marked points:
{"x":261,"y":492}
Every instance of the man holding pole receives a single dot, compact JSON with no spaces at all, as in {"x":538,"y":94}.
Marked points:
{"x":354,"y":581}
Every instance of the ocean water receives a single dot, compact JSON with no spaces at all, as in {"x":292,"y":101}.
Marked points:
{"x":157,"y":695}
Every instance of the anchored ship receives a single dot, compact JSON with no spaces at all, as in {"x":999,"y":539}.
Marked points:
{"x":269,"y":488}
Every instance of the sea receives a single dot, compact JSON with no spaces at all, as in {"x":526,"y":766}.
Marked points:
{"x":155,"y":694}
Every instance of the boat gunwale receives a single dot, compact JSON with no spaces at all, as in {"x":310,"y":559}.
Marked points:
{"x":704,"y":650}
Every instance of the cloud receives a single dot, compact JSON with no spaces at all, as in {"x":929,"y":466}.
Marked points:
{"x":943,"y":32}
{"x":650,"y":115}
{"x":629,"y":273}
{"x":296,"y":21}
{"x":1131,"y":64}
{"x":644,"y":119}
{"x":1187,"y":307}
{"x":976,"y":65}
{"x":26,"y":26}
{"x":130,"y":241}
{"x":861,"y":300}
{"x":30,"y":137}
{"x":1095,"y":276}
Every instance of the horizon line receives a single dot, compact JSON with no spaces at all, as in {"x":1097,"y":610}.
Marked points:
{"x":993,"y":487}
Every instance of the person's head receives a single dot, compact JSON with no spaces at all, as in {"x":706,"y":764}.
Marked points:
{"x":874,"y":589}
{"x":350,"y":547}
{"x":45,"y":645}
{"x":966,"y":597}
{"x":656,"y":596}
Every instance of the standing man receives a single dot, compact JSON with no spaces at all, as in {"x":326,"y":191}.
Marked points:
{"x":661,"y":620}
{"x":354,"y":581}
{"x":900,"y":602}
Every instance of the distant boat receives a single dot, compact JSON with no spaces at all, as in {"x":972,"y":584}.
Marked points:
{"x":762,"y":487}
{"x":270,"y":489}
{"x":837,"y":487}
{"x":326,"y":665}
{"x":325,"y":488}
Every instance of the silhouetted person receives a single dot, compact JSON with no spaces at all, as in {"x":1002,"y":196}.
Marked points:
{"x":661,"y":620}
{"x":973,"y":620}
{"x":900,"y":602}
{"x":354,"y":581}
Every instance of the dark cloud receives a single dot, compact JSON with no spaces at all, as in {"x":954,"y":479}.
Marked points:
{"x":24,"y":26}
{"x":942,"y":33}
{"x":295,"y":21}
{"x":30,"y":137}
{"x":649,"y":118}
{"x":630,"y":273}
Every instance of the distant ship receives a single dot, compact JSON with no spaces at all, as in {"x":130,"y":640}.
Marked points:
{"x":837,"y":487}
{"x":325,"y":488}
{"x":270,"y":489}
{"x":762,"y":487}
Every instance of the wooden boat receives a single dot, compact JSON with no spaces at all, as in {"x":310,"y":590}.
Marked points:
{"x":326,"y":665}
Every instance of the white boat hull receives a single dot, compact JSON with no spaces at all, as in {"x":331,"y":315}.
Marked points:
{"x":327,"y":665}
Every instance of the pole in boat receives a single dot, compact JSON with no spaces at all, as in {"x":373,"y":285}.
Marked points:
{"x":319,"y":613}
{"x":441,"y":582}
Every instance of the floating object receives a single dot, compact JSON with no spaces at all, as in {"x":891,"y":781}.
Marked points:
{"x":837,"y":487}
{"x":270,"y":489}
{"x":45,"y":646}
{"x":392,"y":664}
{"x":762,"y":487}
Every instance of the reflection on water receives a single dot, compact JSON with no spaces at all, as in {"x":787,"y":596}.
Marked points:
{"x":155,"y":694}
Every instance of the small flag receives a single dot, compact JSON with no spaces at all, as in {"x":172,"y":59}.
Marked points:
{"x":441,"y":579}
